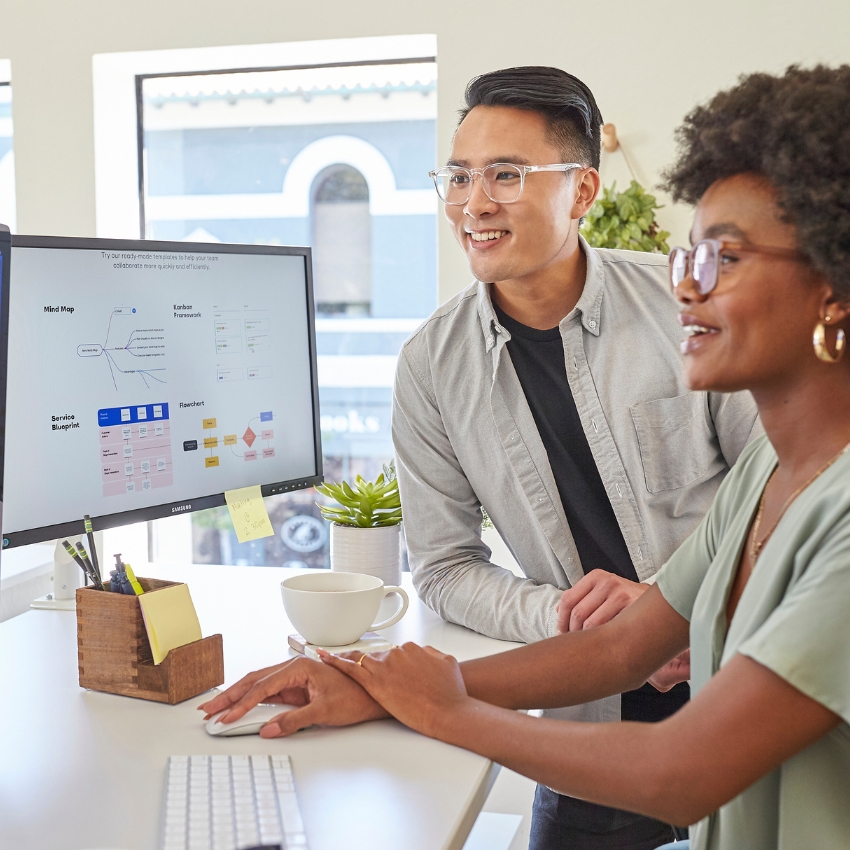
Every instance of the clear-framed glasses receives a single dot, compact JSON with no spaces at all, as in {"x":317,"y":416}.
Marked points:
{"x":502,"y":182}
{"x":704,"y":260}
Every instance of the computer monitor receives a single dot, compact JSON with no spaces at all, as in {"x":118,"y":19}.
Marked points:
{"x":5,"y":250}
{"x":146,"y":379}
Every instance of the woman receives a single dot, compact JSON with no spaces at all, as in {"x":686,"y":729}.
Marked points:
{"x":760,"y":758}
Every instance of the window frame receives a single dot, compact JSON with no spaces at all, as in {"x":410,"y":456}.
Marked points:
{"x":6,"y":82}
{"x":117,"y":83}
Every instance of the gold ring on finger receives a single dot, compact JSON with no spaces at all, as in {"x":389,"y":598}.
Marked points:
{"x":360,"y":662}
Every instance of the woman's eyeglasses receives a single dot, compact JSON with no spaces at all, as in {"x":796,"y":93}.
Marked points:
{"x":703,"y":261}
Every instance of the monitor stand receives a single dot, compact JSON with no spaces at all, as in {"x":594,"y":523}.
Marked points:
{"x":67,"y":577}
{"x":49,"y":603}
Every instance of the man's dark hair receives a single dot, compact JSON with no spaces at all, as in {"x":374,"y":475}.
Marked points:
{"x":793,"y":130}
{"x":572,"y":116}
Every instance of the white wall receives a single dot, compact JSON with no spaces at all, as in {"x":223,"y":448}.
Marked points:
{"x":648,"y":64}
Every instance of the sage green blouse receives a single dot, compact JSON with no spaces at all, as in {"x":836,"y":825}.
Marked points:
{"x":793,"y":618}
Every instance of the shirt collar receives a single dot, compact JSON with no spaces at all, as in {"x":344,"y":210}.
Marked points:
{"x":487,"y":315}
{"x":589,"y":304}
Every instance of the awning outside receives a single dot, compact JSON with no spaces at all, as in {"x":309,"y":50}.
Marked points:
{"x":305,"y":83}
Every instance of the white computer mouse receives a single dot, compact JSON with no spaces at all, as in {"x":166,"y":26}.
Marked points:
{"x":249,"y":724}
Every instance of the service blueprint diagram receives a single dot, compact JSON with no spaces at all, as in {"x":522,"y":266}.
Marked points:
{"x":135,"y":448}
{"x":147,"y":378}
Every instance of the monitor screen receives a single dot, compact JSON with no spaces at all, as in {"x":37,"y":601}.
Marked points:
{"x":148,"y":378}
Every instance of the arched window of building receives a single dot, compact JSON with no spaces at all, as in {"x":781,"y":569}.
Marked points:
{"x":342,"y":242}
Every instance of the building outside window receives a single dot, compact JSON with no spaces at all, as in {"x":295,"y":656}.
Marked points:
{"x":342,"y":243}
{"x":335,"y":157}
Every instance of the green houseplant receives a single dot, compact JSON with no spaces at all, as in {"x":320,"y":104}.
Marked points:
{"x":625,"y":220}
{"x":365,"y":504}
{"x":365,"y":525}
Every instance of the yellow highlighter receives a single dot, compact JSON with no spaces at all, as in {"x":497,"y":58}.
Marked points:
{"x":134,"y":582}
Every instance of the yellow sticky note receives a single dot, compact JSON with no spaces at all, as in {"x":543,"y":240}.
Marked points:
{"x":248,"y":512}
{"x":170,"y":619}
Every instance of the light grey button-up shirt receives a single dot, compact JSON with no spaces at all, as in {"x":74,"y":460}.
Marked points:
{"x":465,"y":437}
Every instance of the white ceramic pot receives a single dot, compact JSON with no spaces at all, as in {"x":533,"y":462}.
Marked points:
{"x":370,"y":551}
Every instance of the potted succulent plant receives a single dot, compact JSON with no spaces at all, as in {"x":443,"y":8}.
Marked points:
{"x":365,"y":525}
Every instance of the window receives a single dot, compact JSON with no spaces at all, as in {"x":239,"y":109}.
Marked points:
{"x":331,"y":155}
{"x":342,"y":243}
{"x":7,"y":154}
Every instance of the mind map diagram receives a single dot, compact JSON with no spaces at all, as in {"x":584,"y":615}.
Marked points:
{"x":132,"y":353}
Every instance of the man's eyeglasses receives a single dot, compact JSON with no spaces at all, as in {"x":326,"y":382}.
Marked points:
{"x":502,"y":182}
{"x":703,"y":261}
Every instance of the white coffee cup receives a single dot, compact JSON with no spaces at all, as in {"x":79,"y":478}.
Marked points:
{"x":335,"y":609}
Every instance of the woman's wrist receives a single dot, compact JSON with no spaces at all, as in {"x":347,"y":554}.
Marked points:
{"x":454,"y":723}
{"x":375,"y":711}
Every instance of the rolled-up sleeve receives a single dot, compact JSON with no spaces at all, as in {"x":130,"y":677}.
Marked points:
{"x":449,"y":563}
{"x":680,"y":579}
{"x":806,"y":639}
{"x":736,"y":422}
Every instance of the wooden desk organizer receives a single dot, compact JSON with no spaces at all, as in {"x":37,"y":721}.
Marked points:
{"x":115,"y":654}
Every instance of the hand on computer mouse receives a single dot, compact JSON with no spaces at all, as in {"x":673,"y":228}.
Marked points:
{"x":251,"y":723}
{"x":321,"y":696}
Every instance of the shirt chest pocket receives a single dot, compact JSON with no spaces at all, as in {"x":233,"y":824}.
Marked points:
{"x":677,"y":446}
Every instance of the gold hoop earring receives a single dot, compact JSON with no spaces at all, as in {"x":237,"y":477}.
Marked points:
{"x":819,"y":343}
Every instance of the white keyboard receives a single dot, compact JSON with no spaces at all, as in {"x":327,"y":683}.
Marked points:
{"x":231,"y":803}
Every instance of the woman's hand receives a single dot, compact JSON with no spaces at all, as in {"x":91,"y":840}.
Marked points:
{"x":417,"y":685}
{"x":324,"y":697}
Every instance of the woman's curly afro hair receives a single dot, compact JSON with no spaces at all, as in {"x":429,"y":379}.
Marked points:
{"x":792,"y":129}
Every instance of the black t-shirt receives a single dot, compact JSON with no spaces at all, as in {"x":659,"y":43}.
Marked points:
{"x":539,"y":362}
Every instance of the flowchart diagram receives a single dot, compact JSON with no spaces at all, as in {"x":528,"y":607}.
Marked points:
{"x":134,"y":354}
{"x":264,"y":433}
{"x":135,"y":448}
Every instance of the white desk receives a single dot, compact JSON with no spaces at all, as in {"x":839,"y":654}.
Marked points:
{"x":83,"y":770}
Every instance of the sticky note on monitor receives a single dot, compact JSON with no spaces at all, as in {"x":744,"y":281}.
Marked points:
{"x":170,"y":619}
{"x":248,"y":513}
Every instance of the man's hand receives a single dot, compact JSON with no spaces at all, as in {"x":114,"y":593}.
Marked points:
{"x":325,"y":697}
{"x":418,"y":685}
{"x":673,"y":672}
{"x":595,"y":600}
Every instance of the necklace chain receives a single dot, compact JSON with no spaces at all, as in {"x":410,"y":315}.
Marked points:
{"x":757,"y":545}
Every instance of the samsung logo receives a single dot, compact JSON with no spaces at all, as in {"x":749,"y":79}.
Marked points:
{"x":177,"y":510}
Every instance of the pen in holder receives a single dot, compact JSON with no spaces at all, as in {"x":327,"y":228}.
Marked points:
{"x":115,"y":656}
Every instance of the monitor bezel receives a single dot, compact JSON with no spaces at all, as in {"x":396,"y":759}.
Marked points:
{"x":50,"y":532}
{"x":6,"y":251}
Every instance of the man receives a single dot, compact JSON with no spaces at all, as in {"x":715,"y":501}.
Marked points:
{"x":549,"y":392}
